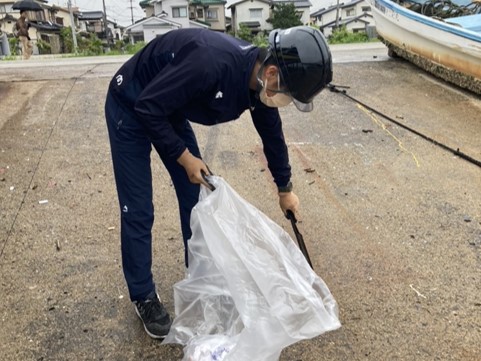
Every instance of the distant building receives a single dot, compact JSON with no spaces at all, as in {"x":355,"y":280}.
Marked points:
{"x":355,"y":15}
{"x":46,"y":25}
{"x":254,"y":13}
{"x":162,"y":16}
{"x":93,"y":22}
{"x":251,"y":13}
{"x":210,"y":12}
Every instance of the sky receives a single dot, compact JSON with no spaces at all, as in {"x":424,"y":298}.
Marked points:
{"x":117,"y":10}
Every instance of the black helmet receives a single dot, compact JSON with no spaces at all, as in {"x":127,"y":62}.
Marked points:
{"x":304,"y":60}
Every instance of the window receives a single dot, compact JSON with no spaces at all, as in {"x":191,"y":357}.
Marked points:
{"x":59,"y":21}
{"x":200,"y":13}
{"x":350,"y":12}
{"x":36,"y":15}
{"x":366,"y":8}
{"x":179,"y":12}
{"x":255,"y":13}
{"x":7,"y":8}
{"x":211,"y":14}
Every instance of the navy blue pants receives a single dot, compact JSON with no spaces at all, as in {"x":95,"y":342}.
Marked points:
{"x":131,"y":150}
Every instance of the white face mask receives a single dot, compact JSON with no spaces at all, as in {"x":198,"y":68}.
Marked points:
{"x":278,"y":100}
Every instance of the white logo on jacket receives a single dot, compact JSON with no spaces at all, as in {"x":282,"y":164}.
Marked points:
{"x":219,"y":95}
{"x":120,"y":79}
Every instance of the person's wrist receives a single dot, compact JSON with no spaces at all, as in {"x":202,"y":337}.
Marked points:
{"x":285,"y":189}
{"x":184,"y":158}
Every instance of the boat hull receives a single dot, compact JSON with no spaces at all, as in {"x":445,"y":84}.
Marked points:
{"x":447,"y":51}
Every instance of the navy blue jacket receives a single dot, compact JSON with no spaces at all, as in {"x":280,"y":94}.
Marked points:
{"x":202,"y":76}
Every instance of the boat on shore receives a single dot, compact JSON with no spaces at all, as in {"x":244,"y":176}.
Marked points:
{"x":439,"y":36}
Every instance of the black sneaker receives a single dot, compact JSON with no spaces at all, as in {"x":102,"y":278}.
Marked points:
{"x":154,"y":316}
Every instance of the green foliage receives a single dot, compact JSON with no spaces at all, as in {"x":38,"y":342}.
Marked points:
{"x":342,"y":36}
{"x":95,"y":45}
{"x":260,"y":40}
{"x":284,"y":16}
{"x":245,"y":33}
{"x":87,"y":46}
{"x":119,"y":45}
{"x":13,"y":42}
{"x":67,"y":40}
{"x":9,"y":58}
{"x":134,"y":48}
{"x":90,"y":46}
{"x":43,"y":46}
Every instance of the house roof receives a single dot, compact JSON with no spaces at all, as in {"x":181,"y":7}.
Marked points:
{"x":200,"y":24}
{"x":207,"y":2}
{"x":153,"y":20}
{"x":297,"y":3}
{"x":242,"y":1}
{"x":91,"y":15}
{"x":144,"y":3}
{"x":347,"y":21}
{"x":8,"y":17}
{"x":203,"y":22}
{"x":158,"y":22}
{"x":46,"y":26}
{"x":251,"y":24}
{"x":333,"y":7}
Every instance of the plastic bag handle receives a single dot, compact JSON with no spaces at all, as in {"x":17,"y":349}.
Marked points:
{"x":300,"y":240}
{"x":211,"y":186}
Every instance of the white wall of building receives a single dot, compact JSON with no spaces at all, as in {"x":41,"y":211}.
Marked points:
{"x":305,"y":17}
{"x":151,"y":32}
{"x":253,"y":11}
{"x":177,"y":10}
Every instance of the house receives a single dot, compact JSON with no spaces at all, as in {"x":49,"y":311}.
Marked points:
{"x":211,"y":12}
{"x":148,"y":28}
{"x":7,"y":22}
{"x":254,"y":13}
{"x":92,"y":22}
{"x":165,"y":15}
{"x":355,"y":15}
{"x":45,"y":25}
{"x":354,"y":24}
{"x":251,"y":13}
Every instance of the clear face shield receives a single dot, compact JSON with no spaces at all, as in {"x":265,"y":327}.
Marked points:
{"x":303,"y":107}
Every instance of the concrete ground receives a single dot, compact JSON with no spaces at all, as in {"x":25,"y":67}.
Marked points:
{"x":392,"y":222}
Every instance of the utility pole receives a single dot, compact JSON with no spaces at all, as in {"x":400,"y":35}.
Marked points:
{"x":337,"y":15}
{"x":105,"y":24}
{"x":72,"y":26}
{"x":131,"y":11}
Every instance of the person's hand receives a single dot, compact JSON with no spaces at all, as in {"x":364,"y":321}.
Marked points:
{"x":194,"y":167}
{"x":289,"y":201}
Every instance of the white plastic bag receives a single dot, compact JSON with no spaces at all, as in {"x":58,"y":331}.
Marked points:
{"x":249,"y":292}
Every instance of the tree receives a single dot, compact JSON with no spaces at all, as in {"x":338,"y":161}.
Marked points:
{"x":245,"y":33}
{"x":284,"y":16}
{"x":67,"y":42}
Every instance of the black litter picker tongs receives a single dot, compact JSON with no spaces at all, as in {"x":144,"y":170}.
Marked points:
{"x":300,"y":239}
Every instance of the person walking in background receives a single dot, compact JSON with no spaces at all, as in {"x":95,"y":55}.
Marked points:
{"x":22,"y":27}
{"x":201,"y":76}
